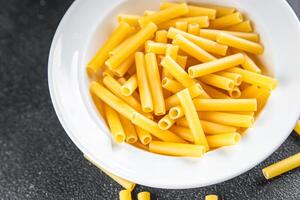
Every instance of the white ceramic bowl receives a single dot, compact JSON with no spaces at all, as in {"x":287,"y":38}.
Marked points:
{"x":84,"y":28}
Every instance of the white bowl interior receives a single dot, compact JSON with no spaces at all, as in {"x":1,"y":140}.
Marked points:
{"x":75,"y":44}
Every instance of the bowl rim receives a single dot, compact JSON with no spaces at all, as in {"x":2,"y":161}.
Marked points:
{"x":69,"y":130}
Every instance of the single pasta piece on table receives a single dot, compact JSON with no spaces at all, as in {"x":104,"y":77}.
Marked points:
{"x":211,"y":197}
{"x":125,"y":195}
{"x":282,"y":166}
{"x":144,"y":196}
{"x":128,"y":185}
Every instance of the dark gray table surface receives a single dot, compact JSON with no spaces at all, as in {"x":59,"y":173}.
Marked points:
{"x":39,"y":161}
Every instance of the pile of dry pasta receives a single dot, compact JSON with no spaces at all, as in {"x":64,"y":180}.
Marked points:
{"x":180,"y":81}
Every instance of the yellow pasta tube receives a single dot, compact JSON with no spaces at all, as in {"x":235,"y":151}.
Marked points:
{"x":155,"y":84}
{"x":99,"y":105}
{"x":152,"y":127}
{"x":183,"y":132}
{"x":239,"y":43}
{"x":228,"y":119}
{"x":244,"y":85}
{"x":194,"y":11}
{"x":123,"y":31}
{"x":176,"y":112}
{"x":212,"y":34}
{"x":125,"y":195}
{"x":206,"y":44}
{"x":155,"y":47}
{"x":161,"y":36}
{"x":182,"y":25}
{"x":166,"y":73}
{"x":129,"y":130}
{"x":282,"y":166}
{"x":226,"y":21}
{"x":144,"y":196}
{"x":211,"y":197}
{"x":149,"y":12}
{"x":139,"y":39}
{"x":172,"y":51}
{"x":124,"y":67}
{"x":124,"y":183}
{"x":121,"y":45}
{"x":164,"y":15}
{"x":132,"y":20}
{"x":235,"y":93}
{"x":214,"y":92}
{"x":114,"y":86}
{"x":194,"y":29}
{"x":141,"y":146}
{"x":250,"y":91}
{"x":129,"y":86}
{"x":144,"y":136}
{"x":250,"y":65}
{"x":203,"y":22}
{"x":210,"y":128}
{"x":195,"y":91}
{"x":216,"y":65}
{"x":143,"y":83}
{"x":114,"y":124}
{"x":122,"y":80}
{"x":261,"y":95}
{"x":165,"y":123}
{"x":171,"y":85}
{"x":221,"y":140}
{"x":176,"y":149}
{"x":262,"y":98}
{"x":182,"y":61}
{"x":237,"y":78}
{"x":297,"y":127}
{"x":218,"y":81}
{"x":107,"y":72}
{"x":222,"y":11}
{"x":113,"y":101}
{"x":192,"y":49}
{"x":256,"y":79}
{"x":177,"y":72}
{"x":244,"y":26}
{"x":225,"y":104}
{"x":189,"y":110}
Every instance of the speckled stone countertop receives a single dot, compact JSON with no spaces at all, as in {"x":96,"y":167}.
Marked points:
{"x":39,"y":161}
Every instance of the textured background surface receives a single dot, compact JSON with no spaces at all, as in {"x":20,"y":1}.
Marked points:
{"x":39,"y":161}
